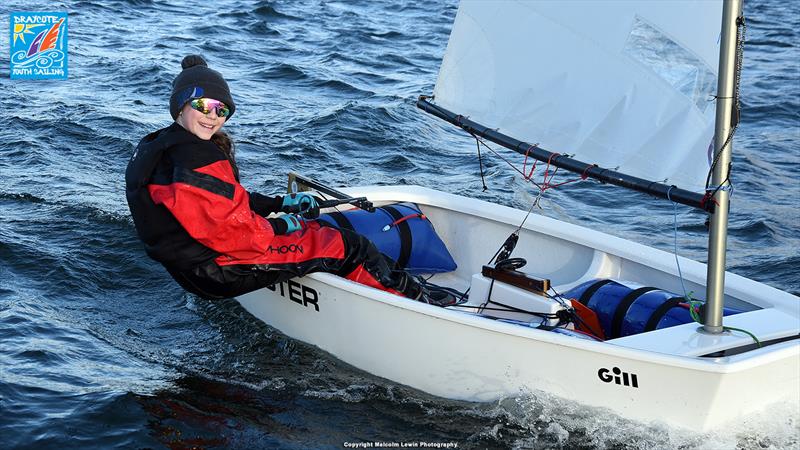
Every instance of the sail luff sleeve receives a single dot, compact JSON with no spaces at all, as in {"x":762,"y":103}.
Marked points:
{"x":605,"y":175}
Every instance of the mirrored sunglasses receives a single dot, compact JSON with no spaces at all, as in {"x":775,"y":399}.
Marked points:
{"x":205,"y":105}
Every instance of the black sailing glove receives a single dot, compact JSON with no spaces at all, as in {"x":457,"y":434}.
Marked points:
{"x":303,"y":203}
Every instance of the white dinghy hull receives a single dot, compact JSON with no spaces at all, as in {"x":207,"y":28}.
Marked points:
{"x":655,"y":376}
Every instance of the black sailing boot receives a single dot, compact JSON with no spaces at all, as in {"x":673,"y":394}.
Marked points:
{"x":434,"y":296}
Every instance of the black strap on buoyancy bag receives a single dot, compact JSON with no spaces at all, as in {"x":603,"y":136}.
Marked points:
{"x":622,"y":309}
{"x":341,"y":220}
{"x":405,"y":235}
{"x":590,"y":291}
{"x":660,"y":312}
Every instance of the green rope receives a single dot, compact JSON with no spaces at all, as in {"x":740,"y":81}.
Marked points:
{"x":758,"y":343}
{"x":694,"y":304}
{"x":693,"y":308}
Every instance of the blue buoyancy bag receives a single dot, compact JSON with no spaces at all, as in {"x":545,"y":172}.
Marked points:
{"x":625,"y":311}
{"x":401,"y":232}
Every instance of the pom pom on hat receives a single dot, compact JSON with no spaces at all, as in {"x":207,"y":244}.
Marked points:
{"x":197,"y":80}
{"x":193,"y":60}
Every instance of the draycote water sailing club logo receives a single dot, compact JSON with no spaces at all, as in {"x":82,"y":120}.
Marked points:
{"x":38,"y":45}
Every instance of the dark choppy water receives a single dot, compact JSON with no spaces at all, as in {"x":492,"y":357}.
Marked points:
{"x":100,"y":349}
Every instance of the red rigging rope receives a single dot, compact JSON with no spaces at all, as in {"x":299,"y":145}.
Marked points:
{"x":548,"y":175}
{"x":508,"y":247}
{"x":547,"y":181}
{"x":709,"y":196}
{"x":525,"y":162}
{"x":479,"y":142}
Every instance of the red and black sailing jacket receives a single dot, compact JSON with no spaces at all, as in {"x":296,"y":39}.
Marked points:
{"x":188,"y":206}
{"x":193,"y":216}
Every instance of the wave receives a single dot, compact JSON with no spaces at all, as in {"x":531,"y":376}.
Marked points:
{"x":288,"y":72}
{"x":281,"y":72}
{"x":770,"y":43}
{"x":262,"y":28}
{"x":266,"y":9}
{"x":23,"y":197}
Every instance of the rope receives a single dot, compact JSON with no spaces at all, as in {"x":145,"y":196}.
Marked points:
{"x":694,"y":311}
{"x":547,"y":177}
{"x":675,"y":242}
{"x":543,"y":187}
{"x":525,"y":162}
{"x":758,"y":343}
{"x":573,"y":315}
{"x":487,"y":147}
{"x":694,"y":305}
{"x":480,"y":161}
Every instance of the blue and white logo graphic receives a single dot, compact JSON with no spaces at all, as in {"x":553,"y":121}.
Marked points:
{"x":38,"y":45}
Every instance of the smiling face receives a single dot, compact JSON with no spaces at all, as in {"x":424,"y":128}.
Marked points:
{"x":199,"y":124}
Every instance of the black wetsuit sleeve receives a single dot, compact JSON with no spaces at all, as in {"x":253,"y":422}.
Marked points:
{"x":264,"y":205}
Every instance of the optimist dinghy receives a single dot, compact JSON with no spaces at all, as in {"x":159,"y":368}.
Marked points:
{"x":550,"y":306}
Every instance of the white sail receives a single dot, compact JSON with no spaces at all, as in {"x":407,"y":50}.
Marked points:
{"x":622,"y":84}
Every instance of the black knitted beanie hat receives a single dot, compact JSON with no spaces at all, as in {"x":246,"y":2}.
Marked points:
{"x":196,"y":80}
